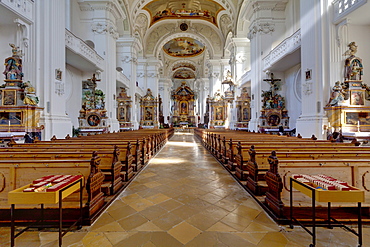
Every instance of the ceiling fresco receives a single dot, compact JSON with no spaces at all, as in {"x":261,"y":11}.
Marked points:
{"x":183,"y":47}
{"x":184,"y":74}
{"x":186,"y":65}
{"x":177,"y":9}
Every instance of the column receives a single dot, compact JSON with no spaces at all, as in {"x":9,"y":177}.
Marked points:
{"x":50,"y":56}
{"x":265,"y":18}
{"x":127,"y":49}
{"x":165,"y":92}
{"x":315,"y":60}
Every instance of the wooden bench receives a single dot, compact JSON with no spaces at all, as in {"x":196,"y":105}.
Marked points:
{"x":109,"y":163}
{"x":268,"y":174}
{"x":124,"y":154}
{"x":17,"y":173}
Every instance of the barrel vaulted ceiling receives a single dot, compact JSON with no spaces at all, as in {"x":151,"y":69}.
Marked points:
{"x":183,"y":34}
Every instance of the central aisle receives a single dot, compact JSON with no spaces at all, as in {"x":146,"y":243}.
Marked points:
{"x":185,"y":197}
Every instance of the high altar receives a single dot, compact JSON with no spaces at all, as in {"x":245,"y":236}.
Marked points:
{"x":348,"y":109}
{"x":183,"y":106}
{"x":273,"y":113}
{"x":243,"y":109}
{"x":149,"y":111}
{"x":93,"y":115}
{"x":19,"y":112}
{"x":124,"y":110}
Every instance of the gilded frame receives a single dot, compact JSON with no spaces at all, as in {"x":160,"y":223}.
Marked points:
{"x":357,"y":97}
{"x":9,"y":97}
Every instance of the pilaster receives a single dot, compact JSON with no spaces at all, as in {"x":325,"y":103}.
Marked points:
{"x":103,"y":17}
{"x":315,"y":62}
{"x":50,"y":57}
{"x":265,"y":18}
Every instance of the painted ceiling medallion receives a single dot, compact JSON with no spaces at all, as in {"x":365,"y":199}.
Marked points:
{"x":184,"y":74}
{"x":184,"y":26}
{"x":177,"y":9}
{"x":183,"y":47}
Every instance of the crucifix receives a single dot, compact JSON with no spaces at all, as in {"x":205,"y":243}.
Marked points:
{"x":93,"y":80}
{"x":272,"y":82}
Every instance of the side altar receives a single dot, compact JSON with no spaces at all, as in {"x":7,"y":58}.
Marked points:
{"x":348,"y":109}
{"x":149,"y":111}
{"x":217,"y":106}
{"x":273,"y":113}
{"x":93,"y":115}
{"x":243,"y":109}
{"x":19,"y":112}
{"x":124,"y":110}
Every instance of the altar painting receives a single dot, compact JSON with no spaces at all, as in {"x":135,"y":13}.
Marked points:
{"x":219,"y":114}
{"x":184,"y":108}
{"x":9,"y":97}
{"x":357,"y":97}
{"x":183,"y":47}
{"x":148,"y":113}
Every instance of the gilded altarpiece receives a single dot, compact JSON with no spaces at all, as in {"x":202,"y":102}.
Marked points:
{"x":19,"y":111}
{"x":149,"y":111}
{"x":243,"y":109}
{"x":348,"y":108}
{"x":217,"y":110}
{"x":183,"y":106}
{"x":93,"y":115}
{"x":124,"y":110}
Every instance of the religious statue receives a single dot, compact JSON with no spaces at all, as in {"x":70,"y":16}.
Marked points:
{"x":352,"y":49}
{"x":29,"y":94}
{"x":13,"y":65}
{"x":337,"y":95}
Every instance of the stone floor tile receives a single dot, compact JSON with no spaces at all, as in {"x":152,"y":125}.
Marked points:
{"x":184,"y":232}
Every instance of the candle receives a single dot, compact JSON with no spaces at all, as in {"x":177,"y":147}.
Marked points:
{"x":358,"y":123}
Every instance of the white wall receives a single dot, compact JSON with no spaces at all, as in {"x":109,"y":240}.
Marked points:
{"x":361,"y":35}
{"x":8,"y":35}
{"x":292,"y":17}
{"x":73,"y":90}
{"x":293,"y":103}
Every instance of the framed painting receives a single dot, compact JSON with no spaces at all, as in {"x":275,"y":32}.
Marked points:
{"x":148,"y":113}
{"x":246,"y":114}
{"x":184,"y":108}
{"x":58,"y":74}
{"x":9,"y":97}
{"x":357,"y":97}
{"x":93,"y":120}
{"x":219,"y":113}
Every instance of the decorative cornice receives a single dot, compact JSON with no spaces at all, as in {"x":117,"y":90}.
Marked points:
{"x":264,"y":27}
{"x":112,"y":7}
{"x":215,"y":75}
{"x":103,"y":28}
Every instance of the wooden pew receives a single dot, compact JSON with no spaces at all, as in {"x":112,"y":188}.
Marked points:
{"x":344,"y":161}
{"x":124,"y":154}
{"x":17,"y":173}
{"x":109,"y":163}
